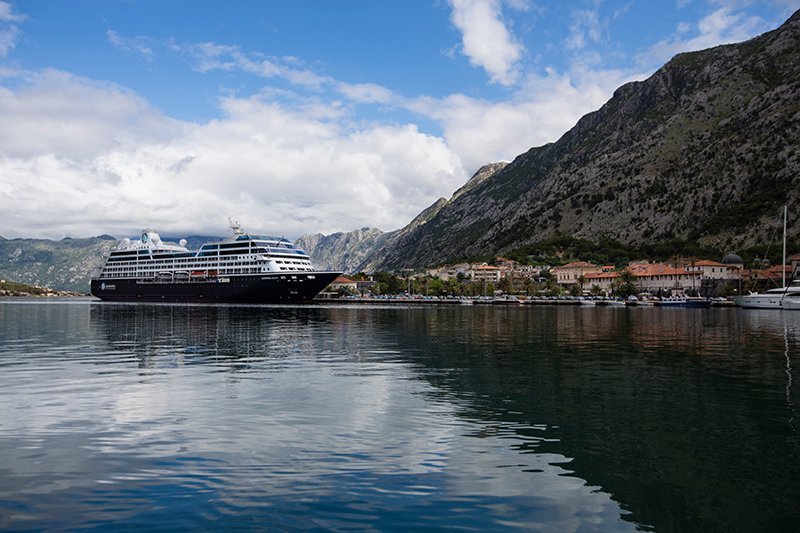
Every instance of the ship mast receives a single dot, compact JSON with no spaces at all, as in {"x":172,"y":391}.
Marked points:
{"x":784,"y":246}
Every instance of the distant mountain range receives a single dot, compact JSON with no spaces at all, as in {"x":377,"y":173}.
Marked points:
{"x":706,"y":150}
{"x":64,"y":265}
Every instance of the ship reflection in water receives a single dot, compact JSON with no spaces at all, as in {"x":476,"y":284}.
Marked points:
{"x":267,"y":417}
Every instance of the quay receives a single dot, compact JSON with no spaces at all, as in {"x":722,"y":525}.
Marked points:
{"x":504,"y":301}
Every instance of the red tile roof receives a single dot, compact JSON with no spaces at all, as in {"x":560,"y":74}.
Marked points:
{"x":706,"y":262}
{"x":659,"y":269}
{"x":577,"y":264}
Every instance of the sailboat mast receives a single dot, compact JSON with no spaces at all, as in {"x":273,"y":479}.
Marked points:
{"x":784,"y":245}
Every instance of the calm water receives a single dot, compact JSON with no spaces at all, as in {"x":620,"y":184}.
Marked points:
{"x":338,"y":418}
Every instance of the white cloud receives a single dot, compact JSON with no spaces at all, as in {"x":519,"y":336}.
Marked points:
{"x":141,"y":45}
{"x":368,"y":93}
{"x":485,"y":39}
{"x":788,"y":6}
{"x":722,"y":26}
{"x":7,"y":14}
{"x":9,"y":32}
{"x":539,"y":112}
{"x":8,"y":39}
{"x":586,"y":28}
{"x":92,"y":158}
{"x":56,"y":113}
{"x":212,"y":56}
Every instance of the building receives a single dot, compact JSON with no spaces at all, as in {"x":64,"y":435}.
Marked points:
{"x":658,"y":277}
{"x":487,"y":274}
{"x":650,"y":277}
{"x":570,"y":273}
{"x":344,"y":283}
{"x":448,"y":272}
{"x":603,"y":280}
{"x":732,"y":260}
{"x":712,"y":269}
{"x":365,"y":287}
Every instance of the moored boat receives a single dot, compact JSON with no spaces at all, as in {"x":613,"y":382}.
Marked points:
{"x":791,"y":303}
{"x":777,"y":298}
{"x":773,"y":298}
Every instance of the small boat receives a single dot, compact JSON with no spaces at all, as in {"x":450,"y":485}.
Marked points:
{"x":684,"y":301}
{"x":696,"y":302}
{"x":609,"y":302}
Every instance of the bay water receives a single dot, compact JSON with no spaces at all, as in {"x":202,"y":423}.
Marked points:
{"x":389,"y":418}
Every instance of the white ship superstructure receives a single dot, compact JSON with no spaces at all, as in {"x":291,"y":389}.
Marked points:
{"x":149,"y":257}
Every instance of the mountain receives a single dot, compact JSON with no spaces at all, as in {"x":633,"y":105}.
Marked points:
{"x":345,"y":251}
{"x":64,"y":265}
{"x":705,"y":150}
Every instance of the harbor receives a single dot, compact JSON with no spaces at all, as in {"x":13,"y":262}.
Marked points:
{"x":513,"y":301}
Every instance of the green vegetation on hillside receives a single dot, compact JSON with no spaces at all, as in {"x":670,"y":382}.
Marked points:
{"x":560,"y":250}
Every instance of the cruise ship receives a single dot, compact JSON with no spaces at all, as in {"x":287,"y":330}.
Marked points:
{"x":242,"y":269}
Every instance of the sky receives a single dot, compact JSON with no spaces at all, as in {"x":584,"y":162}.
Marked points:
{"x":309,"y":116}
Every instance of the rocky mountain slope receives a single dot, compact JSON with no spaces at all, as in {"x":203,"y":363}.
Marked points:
{"x":345,"y":251}
{"x":65,"y":265}
{"x":704,"y":150}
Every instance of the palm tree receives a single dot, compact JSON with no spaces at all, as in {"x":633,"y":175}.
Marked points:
{"x":625,"y":284}
{"x":581,"y":280}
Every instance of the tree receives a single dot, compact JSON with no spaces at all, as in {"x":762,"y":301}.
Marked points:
{"x":436,"y":287}
{"x":581,"y":280}
{"x":625,"y":284}
{"x":507,"y":285}
{"x":389,"y":283}
{"x":553,"y":288}
{"x":528,"y":286}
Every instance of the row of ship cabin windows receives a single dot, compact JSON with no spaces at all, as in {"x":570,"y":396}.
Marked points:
{"x":226,"y":266}
{"x":203,"y":264}
{"x":165,"y":262}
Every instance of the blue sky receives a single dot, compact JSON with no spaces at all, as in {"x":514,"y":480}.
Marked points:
{"x":306,"y":116}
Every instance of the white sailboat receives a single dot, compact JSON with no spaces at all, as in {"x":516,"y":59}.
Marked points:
{"x":785,"y":297}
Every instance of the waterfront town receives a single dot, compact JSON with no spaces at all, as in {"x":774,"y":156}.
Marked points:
{"x":676,"y":278}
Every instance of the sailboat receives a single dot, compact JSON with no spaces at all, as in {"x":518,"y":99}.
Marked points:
{"x":785,"y":297}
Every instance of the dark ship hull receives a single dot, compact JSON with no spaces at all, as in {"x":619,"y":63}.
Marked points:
{"x":284,"y":287}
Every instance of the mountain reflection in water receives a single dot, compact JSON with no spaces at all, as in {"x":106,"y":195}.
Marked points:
{"x":397,"y":417}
